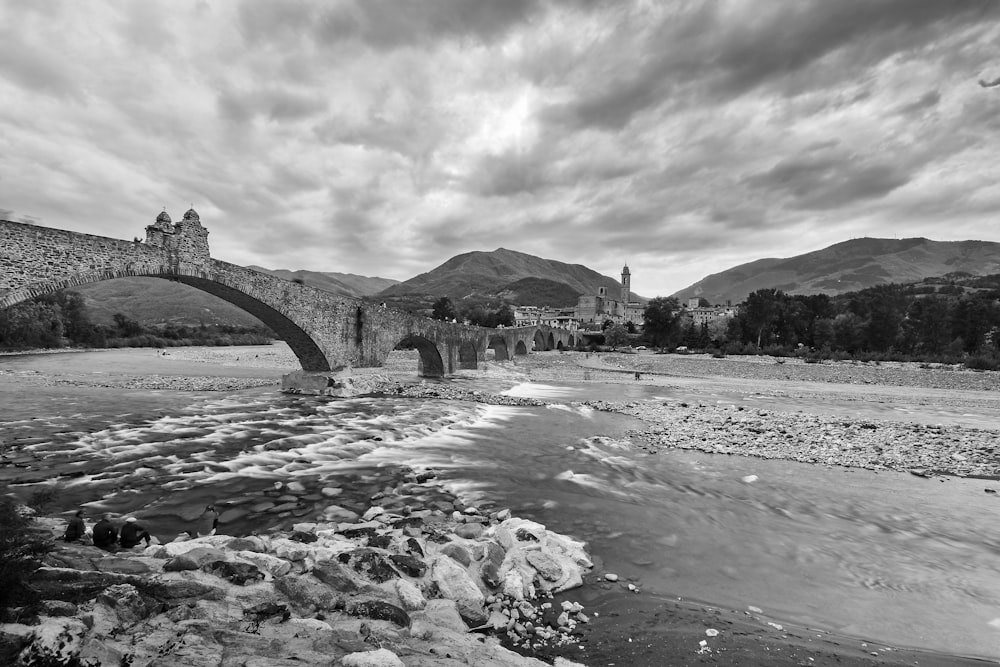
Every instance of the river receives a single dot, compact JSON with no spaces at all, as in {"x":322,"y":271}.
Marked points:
{"x":905,"y":560}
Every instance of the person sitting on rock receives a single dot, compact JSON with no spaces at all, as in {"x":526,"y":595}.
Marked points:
{"x":105,"y":534}
{"x":133,"y":533}
{"x":208,"y":522}
{"x":76,"y":528}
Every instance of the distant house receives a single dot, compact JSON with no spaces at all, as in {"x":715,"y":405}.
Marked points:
{"x":708,"y":314}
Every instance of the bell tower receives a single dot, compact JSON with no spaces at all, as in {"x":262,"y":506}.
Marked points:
{"x":626,"y":284}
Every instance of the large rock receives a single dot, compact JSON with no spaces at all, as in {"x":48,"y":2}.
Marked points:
{"x":489,"y":570}
{"x":409,"y":565}
{"x":454,"y":582}
{"x":127,"y":602}
{"x":181,"y":563}
{"x":306,"y":593}
{"x":409,"y":595}
{"x":276,"y":567}
{"x":458,"y":552}
{"x":372,"y":564}
{"x":54,"y":642}
{"x":179,"y":589}
{"x":75,"y":585}
{"x":378,"y":658}
{"x":334,"y":575}
{"x":379,"y":610}
{"x":234,"y":572}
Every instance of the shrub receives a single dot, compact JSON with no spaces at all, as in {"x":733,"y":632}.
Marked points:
{"x":21,"y":552}
{"x":982,"y":363}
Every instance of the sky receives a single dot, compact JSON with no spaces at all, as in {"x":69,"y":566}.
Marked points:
{"x":383,"y":137}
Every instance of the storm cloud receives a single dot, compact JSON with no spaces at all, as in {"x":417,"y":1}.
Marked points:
{"x":382,"y":138}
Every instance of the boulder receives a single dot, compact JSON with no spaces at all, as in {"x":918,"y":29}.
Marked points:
{"x":378,"y":658}
{"x":233,"y":572}
{"x":379,"y":610}
{"x":276,"y":567}
{"x":409,"y":595}
{"x":546,"y":566}
{"x":372,"y":564}
{"x":458,"y":552}
{"x":181,"y":563}
{"x":252,"y":543}
{"x":469,"y":531}
{"x":127,"y":602}
{"x":306,"y":593}
{"x":334,"y":575}
{"x":54,"y":642}
{"x":409,"y":565}
{"x":444,"y":614}
{"x":179,"y":589}
{"x":455,"y":584}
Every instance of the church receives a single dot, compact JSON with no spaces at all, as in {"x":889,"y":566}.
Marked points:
{"x":599,"y":308}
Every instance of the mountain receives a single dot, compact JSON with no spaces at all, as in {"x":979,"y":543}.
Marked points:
{"x":347,"y":284}
{"x":848,"y":266}
{"x":500,"y":272}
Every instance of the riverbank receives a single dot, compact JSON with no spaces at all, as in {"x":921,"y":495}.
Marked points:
{"x":643,"y":629}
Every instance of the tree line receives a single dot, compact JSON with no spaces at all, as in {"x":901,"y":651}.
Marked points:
{"x":60,"y":319}
{"x":952,"y":319}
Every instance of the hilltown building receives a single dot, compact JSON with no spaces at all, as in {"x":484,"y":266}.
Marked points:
{"x":598,"y":309}
{"x":708,"y":314}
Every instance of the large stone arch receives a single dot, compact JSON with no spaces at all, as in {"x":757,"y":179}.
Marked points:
{"x":551,"y":342}
{"x":539,"y":340}
{"x":309,"y":354}
{"x":520,"y":349}
{"x":306,"y":350}
{"x":431,"y":363}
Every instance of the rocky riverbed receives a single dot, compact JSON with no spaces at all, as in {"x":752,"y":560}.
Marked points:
{"x":393,"y":586}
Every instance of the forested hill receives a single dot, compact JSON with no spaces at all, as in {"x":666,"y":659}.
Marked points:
{"x":955,"y":318}
{"x":849,"y":266}
{"x":502,"y":270}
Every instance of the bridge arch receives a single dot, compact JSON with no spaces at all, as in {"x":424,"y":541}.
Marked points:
{"x":431,"y":364}
{"x":551,"y":343}
{"x":467,"y":356}
{"x":306,"y":350}
{"x":499,"y":347}
{"x":539,"y":341}
{"x":520,"y":349}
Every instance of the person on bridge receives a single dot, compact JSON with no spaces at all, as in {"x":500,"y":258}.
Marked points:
{"x":133,"y":533}
{"x":76,"y":528}
{"x":105,"y":534}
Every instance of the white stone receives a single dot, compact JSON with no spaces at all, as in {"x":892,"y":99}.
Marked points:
{"x":378,"y":658}
{"x":455,"y":584}
{"x":276,"y":567}
{"x":372,"y":512}
{"x":409,"y":595}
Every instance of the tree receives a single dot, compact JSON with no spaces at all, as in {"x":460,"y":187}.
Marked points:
{"x":662,"y":321}
{"x":444,"y":309}
{"x":615,"y":335}
{"x":762,"y":311}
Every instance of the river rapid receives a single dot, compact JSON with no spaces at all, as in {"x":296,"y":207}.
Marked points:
{"x":891,"y":557}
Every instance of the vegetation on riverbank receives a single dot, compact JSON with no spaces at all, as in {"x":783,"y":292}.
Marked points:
{"x":955,"y":319}
{"x":61,"y":320}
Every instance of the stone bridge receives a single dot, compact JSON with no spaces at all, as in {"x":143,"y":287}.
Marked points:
{"x":326,"y":331}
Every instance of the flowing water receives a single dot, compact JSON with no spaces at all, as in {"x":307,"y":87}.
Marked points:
{"x":905,"y":560}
